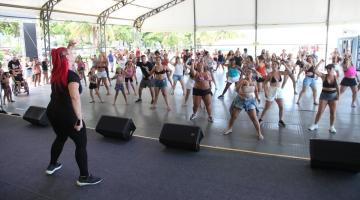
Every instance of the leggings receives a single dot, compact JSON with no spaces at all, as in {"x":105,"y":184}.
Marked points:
{"x":79,"y":139}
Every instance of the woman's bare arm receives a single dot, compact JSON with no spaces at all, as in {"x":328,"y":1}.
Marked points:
{"x":76,"y":102}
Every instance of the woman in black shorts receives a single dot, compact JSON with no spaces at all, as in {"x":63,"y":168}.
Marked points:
{"x":93,"y":79}
{"x":201,"y":90}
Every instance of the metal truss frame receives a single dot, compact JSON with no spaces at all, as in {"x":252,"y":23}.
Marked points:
{"x":101,"y":21}
{"x":140,"y":20}
{"x":45,"y":15}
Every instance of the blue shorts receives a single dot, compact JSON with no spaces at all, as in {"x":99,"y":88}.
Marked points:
{"x":119,"y":87}
{"x":178,"y":77}
{"x":308,"y":81}
{"x":246,"y":104}
{"x":160,"y":83}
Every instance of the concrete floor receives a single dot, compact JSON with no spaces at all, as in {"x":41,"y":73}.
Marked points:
{"x":292,"y":140}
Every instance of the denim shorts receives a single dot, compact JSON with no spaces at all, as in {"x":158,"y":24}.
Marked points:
{"x":328,"y":96}
{"x":178,"y":77}
{"x":246,"y":104}
{"x":308,"y":81}
{"x":119,"y":87}
{"x":160,"y":83}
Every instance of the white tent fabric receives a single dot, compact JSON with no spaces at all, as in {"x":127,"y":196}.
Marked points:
{"x":210,"y":14}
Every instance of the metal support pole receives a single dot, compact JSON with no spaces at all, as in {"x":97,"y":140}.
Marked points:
{"x":327,"y":31}
{"x":101,"y":21}
{"x":45,"y":15}
{"x":256,"y":26}
{"x":194,"y":26}
{"x":140,"y":20}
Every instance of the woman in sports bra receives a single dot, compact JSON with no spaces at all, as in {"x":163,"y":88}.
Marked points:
{"x":329,"y":96}
{"x":349,"y":80}
{"x":274,"y":92}
{"x":309,"y":80}
{"x":160,"y":71}
{"x":245,"y":100}
{"x":201,"y":90}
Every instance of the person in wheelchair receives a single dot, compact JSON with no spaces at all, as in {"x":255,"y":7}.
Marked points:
{"x":19,"y":81}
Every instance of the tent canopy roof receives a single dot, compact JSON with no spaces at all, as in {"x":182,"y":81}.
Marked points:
{"x":210,"y":14}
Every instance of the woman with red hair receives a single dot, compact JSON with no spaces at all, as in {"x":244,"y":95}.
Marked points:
{"x":64,"y":113}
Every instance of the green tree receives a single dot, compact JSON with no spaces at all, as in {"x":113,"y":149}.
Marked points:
{"x":123,"y":33}
{"x":151,"y":38}
{"x":10,"y":29}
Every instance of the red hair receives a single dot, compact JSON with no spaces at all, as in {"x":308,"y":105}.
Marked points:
{"x":59,"y":75}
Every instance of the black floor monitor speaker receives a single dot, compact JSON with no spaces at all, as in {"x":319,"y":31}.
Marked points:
{"x":181,"y":136}
{"x":36,"y":115}
{"x":116,"y":127}
{"x":334,"y":154}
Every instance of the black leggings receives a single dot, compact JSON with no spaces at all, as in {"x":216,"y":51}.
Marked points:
{"x":79,"y":139}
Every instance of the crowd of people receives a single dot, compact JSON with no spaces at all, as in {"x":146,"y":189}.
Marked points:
{"x":265,"y":74}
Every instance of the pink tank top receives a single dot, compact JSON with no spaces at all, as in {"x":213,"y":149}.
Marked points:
{"x":350,"y":72}
{"x":129,"y":72}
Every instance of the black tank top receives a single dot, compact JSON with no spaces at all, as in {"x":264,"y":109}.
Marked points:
{"x":326,"y":84}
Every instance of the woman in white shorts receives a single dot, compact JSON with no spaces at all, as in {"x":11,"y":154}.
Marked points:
{"x":274,"y":92}
{"x":101,"y":72}
{"x":233,"y":76}
{"x":189,"y":86}
{"x":178,"y":74}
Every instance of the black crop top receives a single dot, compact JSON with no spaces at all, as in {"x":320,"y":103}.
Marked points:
{"x":161,"y":72}
{"x":311,"y":70}
{"x":273,"y":80}
{"x":326,"y":84}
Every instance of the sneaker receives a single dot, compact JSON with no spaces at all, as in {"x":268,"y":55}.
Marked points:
{"x":152,"y":101}
{"x":138,"y":100}
{"x":193,"y":116}
{"x":228,"y":132}
{"x":313,"y":127}
{"x":261,"y":121}
{"x":332,"y":129}
{"x":282,"y":123}
{"x":211,"y":119}
{"x":53,"y":168}
{"x":221,"y":97}
{"x":260,"y":137}
{"x":88,"y":180}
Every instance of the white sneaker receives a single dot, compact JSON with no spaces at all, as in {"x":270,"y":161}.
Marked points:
{"x":193,"y":116}
{"x":313,"y":127}
{"x":332,"y":129}
{"x":228,"y":132}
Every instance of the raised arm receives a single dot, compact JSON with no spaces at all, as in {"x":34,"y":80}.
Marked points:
{"x":171,"y":61}
{"x":192,"y":70}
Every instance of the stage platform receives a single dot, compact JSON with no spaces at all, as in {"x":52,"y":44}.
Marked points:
{"x":144,"y":169}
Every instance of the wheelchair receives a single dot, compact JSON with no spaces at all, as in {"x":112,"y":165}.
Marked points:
{"x":20,"y":85}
